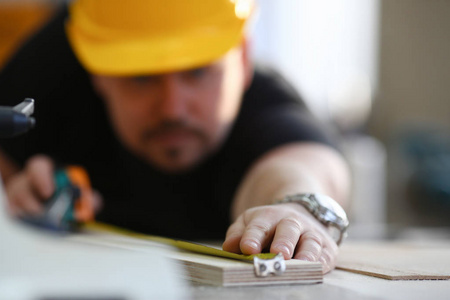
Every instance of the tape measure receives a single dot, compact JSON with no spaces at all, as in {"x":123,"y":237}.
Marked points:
{"x":70,"y":205}
{"x":264,"y":263}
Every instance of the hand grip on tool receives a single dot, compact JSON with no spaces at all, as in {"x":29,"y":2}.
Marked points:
{"x":70,"y":205}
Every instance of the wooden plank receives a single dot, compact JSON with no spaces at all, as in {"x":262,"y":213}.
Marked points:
{"x":227,"y":272}
{"x":211,"y":270}
{"x":396,"y":260}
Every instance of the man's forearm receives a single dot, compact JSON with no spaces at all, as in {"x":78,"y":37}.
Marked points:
{"x":291,"y":169}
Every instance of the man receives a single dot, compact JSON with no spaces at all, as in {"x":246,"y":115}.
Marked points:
{"x":161,"y":105}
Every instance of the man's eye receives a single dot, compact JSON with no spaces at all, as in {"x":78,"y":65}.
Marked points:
{"x":197,"y":73}
{"x":143,"y":79}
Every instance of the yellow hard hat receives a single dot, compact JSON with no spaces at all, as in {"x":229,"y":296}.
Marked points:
{"x":136,"y":37}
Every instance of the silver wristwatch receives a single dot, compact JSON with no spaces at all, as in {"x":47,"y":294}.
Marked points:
{"x":324,"y":209}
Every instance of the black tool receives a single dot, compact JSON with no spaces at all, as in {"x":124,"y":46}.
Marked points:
{"x":16,"y":120}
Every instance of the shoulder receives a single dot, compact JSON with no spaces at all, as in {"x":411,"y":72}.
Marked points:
{"x":273,"y":114}
{"x":270,"y":88}
{"x":272,"y":102}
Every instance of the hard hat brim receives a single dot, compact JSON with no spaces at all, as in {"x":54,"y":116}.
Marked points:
{"x":139,"y":55}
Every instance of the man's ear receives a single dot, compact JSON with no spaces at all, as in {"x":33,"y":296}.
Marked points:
{"x":247,"y":63}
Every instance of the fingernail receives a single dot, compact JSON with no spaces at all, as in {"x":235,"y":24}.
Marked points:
{"x":252,"y":244}
{"x":284,"y":249}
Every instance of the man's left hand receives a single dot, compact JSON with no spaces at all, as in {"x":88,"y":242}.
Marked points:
{"x":283,"y":228}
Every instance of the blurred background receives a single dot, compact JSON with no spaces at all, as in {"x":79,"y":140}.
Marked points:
{"x":377,"y":70}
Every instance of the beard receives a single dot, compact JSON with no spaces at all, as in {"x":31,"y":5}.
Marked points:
{"x":192,"y":148}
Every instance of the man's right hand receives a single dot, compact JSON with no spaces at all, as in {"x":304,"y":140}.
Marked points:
{"x":30,"y":188}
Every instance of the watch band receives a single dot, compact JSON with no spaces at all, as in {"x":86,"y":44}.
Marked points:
{"x":325,"y":209}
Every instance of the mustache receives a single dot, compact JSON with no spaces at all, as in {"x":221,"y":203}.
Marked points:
{"x":169,"y":126}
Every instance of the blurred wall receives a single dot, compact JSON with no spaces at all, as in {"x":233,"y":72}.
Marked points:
{"x":414,"y":65}
{"x":327,"y":49}
{"x":414,"y":98}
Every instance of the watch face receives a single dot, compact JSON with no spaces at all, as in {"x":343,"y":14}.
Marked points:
{"x":331,"y":210}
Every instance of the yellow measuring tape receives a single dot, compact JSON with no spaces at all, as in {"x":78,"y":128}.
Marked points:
{"x":264,"y":263}
{"x":189,"y":246}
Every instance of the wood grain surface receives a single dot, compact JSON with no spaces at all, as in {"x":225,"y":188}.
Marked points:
{"x":397,"y":260}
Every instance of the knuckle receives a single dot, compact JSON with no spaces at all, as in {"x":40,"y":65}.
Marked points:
{"x":266,"y":211}
{"x":249,"y":215}
{"x":37,"y":166}
{"x":293,"y":223}
{"x":31,"y":163}
{"x":313,"y":237}
{"x":233,"y":230}
{"x":271,"y":209}
{"x":38,"y":159}
{"x":310,"y":255}
{"x":260,"y":227}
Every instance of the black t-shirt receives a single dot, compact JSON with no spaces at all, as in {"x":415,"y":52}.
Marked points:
{"x":72,"y":127}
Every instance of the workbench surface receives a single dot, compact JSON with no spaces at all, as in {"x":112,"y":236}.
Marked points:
{"x":337,"y":285}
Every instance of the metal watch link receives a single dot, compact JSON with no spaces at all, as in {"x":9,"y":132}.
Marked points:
{"x":326,"y":210}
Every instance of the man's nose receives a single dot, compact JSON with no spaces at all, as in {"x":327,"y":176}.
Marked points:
{"x":173,"y":97}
